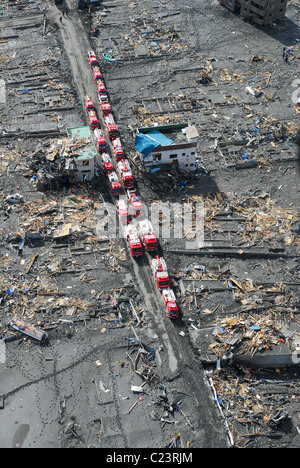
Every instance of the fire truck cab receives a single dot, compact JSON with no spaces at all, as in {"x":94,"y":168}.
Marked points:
{"x":102,"y":93}
{"x":123,"y":212}
{"x":134,"y":241}
{"x":160,"y":272}
{"x":97,"y":75}
{"x":106,"y":108}
{"x":92,"y":58}
{"x":147,"y":235}
{"x":170,"y":303}
{"x":118,"y":149}
{"x":88,"y":104}
{"x":93,"y":120}
{"x":114,"y":184}
{"x":106,"y":163}
{"x":100,"y":139}
{"x":90,"y":109}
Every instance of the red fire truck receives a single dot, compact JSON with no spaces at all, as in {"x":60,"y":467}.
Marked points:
{"x":102,"y":93}
{"x":125,"y":174}
{"x":90,"y":109}
{"x":97,"y":75}
{"x":106,"y":163}
{"x":92,"y":59}
{"x":106,"y":108}
{"x":170,"y":303}
{"x":88,"y":103}
{"x":93,"y":120}
{"x":160,"y":272}
{"x":100,"y":139}
{"x":111,"y":127}
{"x":136,"y":207}
{"x":148,"y":236}
{"x":134,"y":241}
{"x":114,"y":184}
{"x":123,"y":212}
{"x":118,"y":149}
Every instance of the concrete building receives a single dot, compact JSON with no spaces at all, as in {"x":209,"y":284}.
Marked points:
{"x":168,"y":144}
{"x":259,"y":11}
{"x":83,"y":151}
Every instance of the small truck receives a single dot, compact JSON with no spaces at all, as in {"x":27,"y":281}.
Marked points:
{"x":29,"y":330}
{"x":170,"y":303}
{"x":148,"y":236}
{"x":160,"y":272}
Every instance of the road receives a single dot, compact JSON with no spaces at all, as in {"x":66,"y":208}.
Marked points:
{"x":181,"y":359}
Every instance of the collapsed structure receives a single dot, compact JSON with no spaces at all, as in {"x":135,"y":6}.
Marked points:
{"x":260,"y":11}
{"x":60,"y":274}
{"x":67,"y":161}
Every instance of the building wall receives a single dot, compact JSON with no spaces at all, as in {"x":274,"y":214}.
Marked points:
{"x":259,"y":11}
{"x":85,"y":167}
{"x":231,"y":4}
{"x":185,"y":155}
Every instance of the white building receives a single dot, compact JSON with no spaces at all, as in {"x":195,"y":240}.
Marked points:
{"x":168,"y":144}
{"x":84,"y":152}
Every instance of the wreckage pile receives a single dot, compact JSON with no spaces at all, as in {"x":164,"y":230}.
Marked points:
{"x":19,"y":6}
{"x":65,"y":232}
{"x":251,"y":221}
{"x":54,"y":164}
{"x":256,"y":411}
{"x":148,"y":36}
{"x":246,"y":334}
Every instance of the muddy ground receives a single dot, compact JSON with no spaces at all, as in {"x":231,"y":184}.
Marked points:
{"x":75,"y":391}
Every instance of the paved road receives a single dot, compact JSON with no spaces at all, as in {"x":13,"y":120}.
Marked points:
{"x":181,"y":359}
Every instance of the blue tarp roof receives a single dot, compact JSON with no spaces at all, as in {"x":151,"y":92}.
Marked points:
{"x":146,"y":143}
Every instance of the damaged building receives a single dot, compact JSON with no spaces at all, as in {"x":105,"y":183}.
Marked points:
{"x":168,"y":144}
{"x":260,"y":11}
{"x":66,"y":161}
{"x":88,"y":354}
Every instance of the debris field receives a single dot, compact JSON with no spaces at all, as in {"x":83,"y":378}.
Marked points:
{"x":89,"y":356}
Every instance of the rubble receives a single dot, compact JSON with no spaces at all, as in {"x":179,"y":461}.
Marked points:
{"x":120,"y":373}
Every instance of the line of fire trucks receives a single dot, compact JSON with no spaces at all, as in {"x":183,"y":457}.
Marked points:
{"x":121,"y":178}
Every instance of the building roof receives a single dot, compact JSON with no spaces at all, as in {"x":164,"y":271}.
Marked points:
{"x":146,"y":143}
{"x":83,"y":141}
{"x":149,"y":138}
